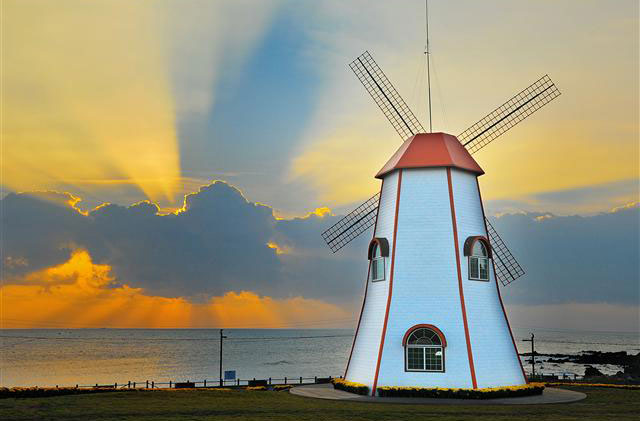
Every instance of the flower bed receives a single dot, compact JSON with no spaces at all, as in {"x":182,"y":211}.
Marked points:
{"x":347,"y":386}
{"x":437,"y":392}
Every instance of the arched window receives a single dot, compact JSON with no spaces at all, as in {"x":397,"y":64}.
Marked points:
{"x":479,"y":253}
{"x":378,"y":250}
{"x":424,"y":349}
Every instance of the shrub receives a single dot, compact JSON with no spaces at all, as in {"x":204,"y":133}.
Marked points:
{"x":347,"y":386}
{"x":486,"y":393}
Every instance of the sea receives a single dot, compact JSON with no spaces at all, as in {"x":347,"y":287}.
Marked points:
{"x":69,"y":357}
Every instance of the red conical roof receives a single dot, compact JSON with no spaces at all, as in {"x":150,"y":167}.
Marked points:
{"x":425,"y":150}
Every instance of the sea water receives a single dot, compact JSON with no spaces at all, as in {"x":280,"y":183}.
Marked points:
{"x":66,"y":357}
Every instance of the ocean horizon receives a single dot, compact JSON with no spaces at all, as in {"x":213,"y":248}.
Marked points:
{"x":86,"y":356}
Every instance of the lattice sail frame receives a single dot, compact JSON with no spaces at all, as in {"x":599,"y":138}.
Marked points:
{"x":512,"y":112}
{"x":476,"y":137}
{"x":385,"y":96}
{"x":507,"y":268}
{"x":358,"y":221}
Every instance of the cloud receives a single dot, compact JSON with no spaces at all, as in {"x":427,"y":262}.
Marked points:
{"x":217,"y":242}
{"x":220,"y":242}
{"x":80,"y":293}
{"x":582,"y":200}
{"x":574,"y":259}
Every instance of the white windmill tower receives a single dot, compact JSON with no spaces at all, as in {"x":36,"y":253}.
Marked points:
{"x":432,"y":315}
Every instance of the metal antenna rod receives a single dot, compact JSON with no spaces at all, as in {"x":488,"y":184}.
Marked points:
{"x":427,"y":52}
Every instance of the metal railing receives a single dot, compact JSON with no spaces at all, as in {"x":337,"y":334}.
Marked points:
{"x":150,"y":384}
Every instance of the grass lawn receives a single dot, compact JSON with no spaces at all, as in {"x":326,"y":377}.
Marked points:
{"x":601,"y":404}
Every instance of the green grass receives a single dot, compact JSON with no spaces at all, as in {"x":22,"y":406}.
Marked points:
{"x":601,"y":404}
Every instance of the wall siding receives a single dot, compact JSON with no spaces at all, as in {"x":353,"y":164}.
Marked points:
{"x":365,"y":349}
{"x":495,"y":359}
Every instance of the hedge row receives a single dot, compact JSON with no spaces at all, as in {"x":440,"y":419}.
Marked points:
{"x":347,"y":386}
{"x":437,"y":392}
{"x":41,"y":392}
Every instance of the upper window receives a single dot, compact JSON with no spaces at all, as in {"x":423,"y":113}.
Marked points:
{"x":479,"y":253}
{"x":424,"y":349}
{"x":378,"y":251}
{"x":377,"y":264}
{"x":479,"y":262}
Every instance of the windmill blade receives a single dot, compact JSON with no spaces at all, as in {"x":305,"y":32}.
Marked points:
{"x":355,"y":223}
{"x":506,"y":266}
{"x":386,"y":96}
{"x":509,"y":114}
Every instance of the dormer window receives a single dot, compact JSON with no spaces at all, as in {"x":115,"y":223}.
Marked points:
{"x":478,"y":251}
{"x":378,"y":252}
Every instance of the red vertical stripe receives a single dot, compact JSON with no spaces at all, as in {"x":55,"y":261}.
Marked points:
{"x":498,"y":288}
{"x":393,"y":259}
{"x":464,"y":311}
{"x":366,"y":287}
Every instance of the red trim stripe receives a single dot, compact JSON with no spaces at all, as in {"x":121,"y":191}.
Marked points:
{"x":366,"y":287}
{"x":464,"y":311}
{"x":524,"y":375}
{"x":393,"y":259}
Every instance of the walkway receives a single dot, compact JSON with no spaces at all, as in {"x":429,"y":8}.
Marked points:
{"x":550,"y":395}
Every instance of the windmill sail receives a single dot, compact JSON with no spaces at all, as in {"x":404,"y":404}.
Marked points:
{"x":506,"y":266}
{"x":474,"y":138}
{"x":352,"y":225}
{"x":385,"y":95}
{"x":512,"y":112}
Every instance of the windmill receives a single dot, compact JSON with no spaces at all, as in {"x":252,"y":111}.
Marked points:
{"x":399,"y":340}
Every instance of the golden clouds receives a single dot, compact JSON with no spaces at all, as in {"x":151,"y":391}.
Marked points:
{"x":86,"y":96}
{"x":80,"y":293}
{"x":278,"y":248}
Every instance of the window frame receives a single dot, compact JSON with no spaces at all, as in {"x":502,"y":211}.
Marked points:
{"x":473,"y":260}
{"x":424,"y":358}
{"x":377,"y":253}
{"x":373,"y":262}
{"x":424,"y":347}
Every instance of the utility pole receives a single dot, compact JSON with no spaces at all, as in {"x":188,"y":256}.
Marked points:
{"x":533,"y":353}
{"x":221,"y":338}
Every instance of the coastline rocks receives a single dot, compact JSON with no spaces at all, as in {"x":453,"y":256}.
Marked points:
{"x":591,"y":371}
{"x":629,"y":363}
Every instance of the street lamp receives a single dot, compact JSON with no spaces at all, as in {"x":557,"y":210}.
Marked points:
{"x":221,"y":338}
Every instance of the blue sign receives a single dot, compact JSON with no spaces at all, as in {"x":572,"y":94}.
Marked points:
{"x":230,"y":375}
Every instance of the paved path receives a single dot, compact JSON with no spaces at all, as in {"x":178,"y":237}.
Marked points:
{"x":550,"y":395}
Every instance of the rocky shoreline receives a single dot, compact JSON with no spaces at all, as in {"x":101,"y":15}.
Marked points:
{"x":628,"y":364}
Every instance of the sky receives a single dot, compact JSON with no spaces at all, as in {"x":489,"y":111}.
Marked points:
{"x":172,"y":164}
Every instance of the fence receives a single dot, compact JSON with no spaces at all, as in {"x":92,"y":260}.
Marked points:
{"x":541,"y":377}
{"x":147,"y":384}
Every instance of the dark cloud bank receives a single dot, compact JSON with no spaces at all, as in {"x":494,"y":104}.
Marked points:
{"x":219,"y":242}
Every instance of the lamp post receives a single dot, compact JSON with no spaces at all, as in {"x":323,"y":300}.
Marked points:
{"x":221,"y":338}
{"x":533,"y":361}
